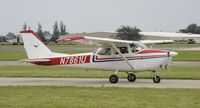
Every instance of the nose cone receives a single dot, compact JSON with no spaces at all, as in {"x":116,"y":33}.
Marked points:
{"x":172,"y":53}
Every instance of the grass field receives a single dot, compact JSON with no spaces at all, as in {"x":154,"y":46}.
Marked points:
{"x":188,"y":55}
{"x":80,"y":97}
{"x":12,"y":56}
{"x":65,"y":72}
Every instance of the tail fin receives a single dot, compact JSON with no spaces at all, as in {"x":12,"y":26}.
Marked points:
{"x":33,"y":45}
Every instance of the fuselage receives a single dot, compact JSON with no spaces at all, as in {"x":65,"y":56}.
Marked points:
{"x":115,"y":55}
{"x":141,"y":60}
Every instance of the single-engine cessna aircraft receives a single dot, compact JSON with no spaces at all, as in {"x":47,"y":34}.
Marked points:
{"x":113,"y":55}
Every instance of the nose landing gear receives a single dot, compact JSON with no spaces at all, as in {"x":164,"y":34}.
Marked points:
{"x":156,"y":78}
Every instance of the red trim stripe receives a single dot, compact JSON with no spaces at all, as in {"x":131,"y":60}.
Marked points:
{"x":57,"y":61}
{"x":151,"y":51}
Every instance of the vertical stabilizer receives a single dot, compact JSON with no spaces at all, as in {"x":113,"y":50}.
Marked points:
{"x":33,"y":45}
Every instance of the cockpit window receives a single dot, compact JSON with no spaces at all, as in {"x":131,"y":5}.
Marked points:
{"x":105,"y":51}
{"x":134,"y":48}
{"x":123,"y":50}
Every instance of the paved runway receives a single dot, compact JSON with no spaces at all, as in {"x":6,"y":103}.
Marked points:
{"x":95,"y":82}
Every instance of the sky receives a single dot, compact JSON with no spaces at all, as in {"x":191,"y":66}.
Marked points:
{"x":98,"y":15}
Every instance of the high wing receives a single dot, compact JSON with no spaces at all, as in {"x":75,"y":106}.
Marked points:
{"x":167,"y":35}
{"x":170,"y":35}
{"x":94,"y":38}
{"x":99,"y":41}
{"x":108,"y":42}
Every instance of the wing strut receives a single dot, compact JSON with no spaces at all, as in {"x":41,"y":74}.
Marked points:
{"x":132,"y":67}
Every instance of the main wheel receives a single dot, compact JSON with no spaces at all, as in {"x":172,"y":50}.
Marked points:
{"x":156,"y":79}
{"x":113,"y":79}
{"x":131,"y":77}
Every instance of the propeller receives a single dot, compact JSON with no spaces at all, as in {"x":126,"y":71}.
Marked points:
{"x":171,"y":54}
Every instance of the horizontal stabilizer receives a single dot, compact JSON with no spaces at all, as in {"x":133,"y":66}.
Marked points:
{"x":35,"y":60}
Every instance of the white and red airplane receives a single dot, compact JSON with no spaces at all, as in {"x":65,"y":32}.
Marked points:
{"x":113,"y":55}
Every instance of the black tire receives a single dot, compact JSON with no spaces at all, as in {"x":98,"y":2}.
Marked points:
{"x":131,"y":77}
{"x":113,"y":79}
{"x":156,"y":79}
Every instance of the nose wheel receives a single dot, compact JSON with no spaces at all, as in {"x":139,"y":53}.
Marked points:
{"x":156,"y":78}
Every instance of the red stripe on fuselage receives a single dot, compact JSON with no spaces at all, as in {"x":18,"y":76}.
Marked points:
{"x":66,"y":60}
{"x":151,"y":51}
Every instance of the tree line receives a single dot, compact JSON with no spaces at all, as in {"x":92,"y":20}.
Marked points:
{"x":132,"y":33}
{"x":123,"y":33}
{"x":8,"y":36}
{"x":57,"y":31}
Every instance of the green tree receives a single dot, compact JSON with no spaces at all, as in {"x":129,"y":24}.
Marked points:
{"x":56,"y":32}
{"x":46,"y":33}
{"x":66,"y":33}
{"x":63,"y":29}
{"x":40,"y":33}
{"x":62,"y":32}
{"x":128,"y":33}
{"x":11,"y":35}
{"x":192,"y":28}
{"x":3,"y":39}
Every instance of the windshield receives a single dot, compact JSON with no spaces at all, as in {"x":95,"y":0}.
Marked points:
{"x":105,"y":51}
